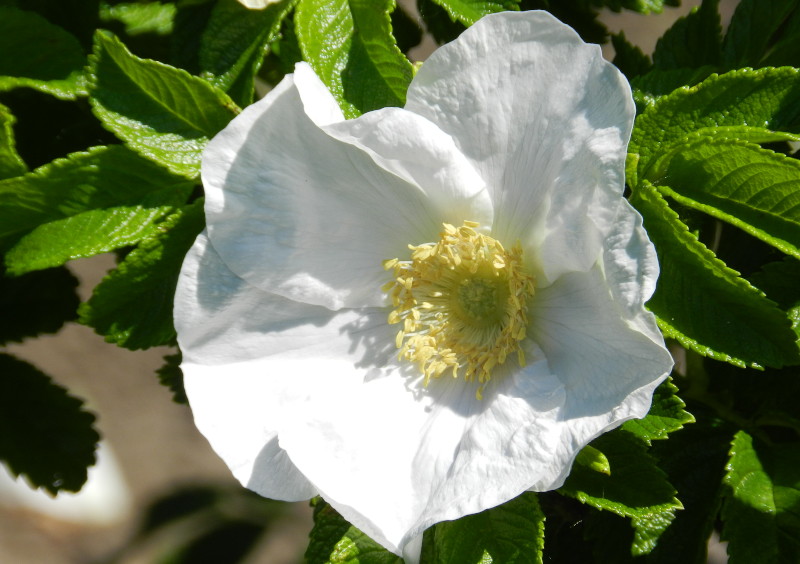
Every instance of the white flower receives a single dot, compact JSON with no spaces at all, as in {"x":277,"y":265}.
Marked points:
{"x":530,"y":271}
{"x":257,"y":4}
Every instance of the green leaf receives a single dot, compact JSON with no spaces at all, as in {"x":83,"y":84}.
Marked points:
{"x":693,"y":41}
{"x":11,"y":164}
{"x":752,"y":188}
{"x":636,"y":487}
{"x":40,"y":302}
{"x":138,"y":18}
{"x":760,"y":515}
{"x":171,"y":376}
{"x":641,"y":6}
{"x":335,"y":541}
{"x":509,"y":533}
{"x":47,"y":435}
{"x":666,"y":415}
{"x":647,"y":531}
{"x":628,"y":57}
{"x":705,"y":305}
{"x":750,"y":34}
{"x":593,"y":459}
{"x":161,"y":112}
{"x":132,"y":306}
{"x":470,"y":11}
{"x":350,"y":46}
{"x":650,"y":87}
{"x":234,"y":44}
{"x":40,"y":55}
{"x":103,"y":178}
{"x":438,"y":22}
{"x":762,"y":100}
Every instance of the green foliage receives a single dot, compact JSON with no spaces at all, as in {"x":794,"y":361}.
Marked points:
{"x":629,"y":58}
{"x":161,"y":112}
{"x":693,"y":41}
{"x":138,"y":18}
{"x":171,"y":376}
{"x":350,"y":46}
{"x":11,"y":164}
{"x":56,"y":69}
{"x":509,"y":533}
{"x":54,"y":439}
{"x":760,"y":517}
{"x":132,"y":306}
{"x":666,"y":415}
{"x":763,"y":34}
{"x":335,"y":541}
{"x":470,"y":11}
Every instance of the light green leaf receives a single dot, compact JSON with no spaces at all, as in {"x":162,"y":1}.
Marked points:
{"x":11,"y":164}
{"x":101,"y":178}
{"x":764,"y":100}
{"x":692,"y":41}
{"x":350,"y":46}
{"x":132,"y":306}
{"x":152,"y":17}
{"x":47,"y":435}
{"x":705,"y":305}
{"x":750,"y":33}
{"x":509,"y":533}
{"x":161,"y":112}
{"x":752,"y":188}
{"x":636,"y":486}
{"x":666,"y":415}
{"x":470,"y":11}
{"x":234,"y":44}
{"x":593,"y":459}
{"x":647,"y":530}
{"x":37,"y":54}
{"x":335,"y":541}
{"x":760,"y":516}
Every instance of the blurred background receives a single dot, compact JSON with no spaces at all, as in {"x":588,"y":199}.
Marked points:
{"x":158,"y":493}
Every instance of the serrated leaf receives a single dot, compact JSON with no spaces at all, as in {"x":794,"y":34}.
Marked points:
{"x":470,"y":11}
{"x":161,"y":112}
{"x":692,"y":41}
{"x":11,"y":164}
{"x":350,"y":46}
{"x":636,"y":486}
{"x":641,"y":6}
{"x":760,"y":519}
{"x":234,"y":44}
{"x":628,"y":57}
{"x":666,"y":415}
{"x":650,"y":87}
{"x":509,"y":533}
{"x":763,"y":100}
{"x":101,"y":178}
{"x":593,"y":459}
{"x":132,"y":306}
{"x":647,"y":530}
{"x":335,"y":541}
{"x":752,"y":188}
{"x":438,"y":22}
{"x":138,"y":18}
{"x":750,"y":34}
{"x":171,"y":376}
{"x":47,"y":435}
{"x":39,"y":302}
{"x":705,"y":305}
{"x":40,"y":55}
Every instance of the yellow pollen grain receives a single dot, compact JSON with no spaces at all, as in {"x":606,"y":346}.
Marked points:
{"x":462,"y":302}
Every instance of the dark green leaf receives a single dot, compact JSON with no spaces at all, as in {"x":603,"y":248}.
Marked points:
{"x":103,"y":178}
{"x":47,"y":435}
{"x":635,"y":488}
{"x":760,"y":515}
{"x":39,"y":302}
{"x":38,"y":54}
{"x":752,"y":30}
{"x":171,"y":376}
{"x":666,"y":415}
{"x":704,"y":304}
{"x":350,"y":46}
{"x":10,"y":162}
{"x":132,"y":306}
{"x":161,"y":112}
{"x":509,"y":533}
{"x":693,"y":41}
{"x":405,"y":29}
{"x":628,"y":57}
{"x":470,"y":11}
{"x":649,"y":88}
{"x":335,"y":541}
{"x":438,"y":22}
{"x":234,"y":44}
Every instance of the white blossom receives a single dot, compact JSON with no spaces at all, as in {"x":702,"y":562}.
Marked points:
{"x":407,"y":386}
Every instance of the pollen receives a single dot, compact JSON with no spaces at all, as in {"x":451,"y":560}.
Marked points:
{"x":460,"y":304}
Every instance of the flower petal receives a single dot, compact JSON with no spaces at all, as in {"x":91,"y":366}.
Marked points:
{"x":251,"y":356}
{"x":303,"y":215}
{"x":545,"y":120}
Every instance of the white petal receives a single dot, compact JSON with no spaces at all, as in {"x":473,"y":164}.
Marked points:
{"x":394,"y":459}
{"x":249,"y":357}
{"x":608,"y":366}
{"x":257,"y":4}
{"x":303,"y":215}
{"x":545,"y":120}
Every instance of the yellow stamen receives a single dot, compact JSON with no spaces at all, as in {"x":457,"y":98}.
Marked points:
{"x":463,"y":304}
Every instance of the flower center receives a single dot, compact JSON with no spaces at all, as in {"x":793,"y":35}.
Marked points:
{"x":462,"y":303}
